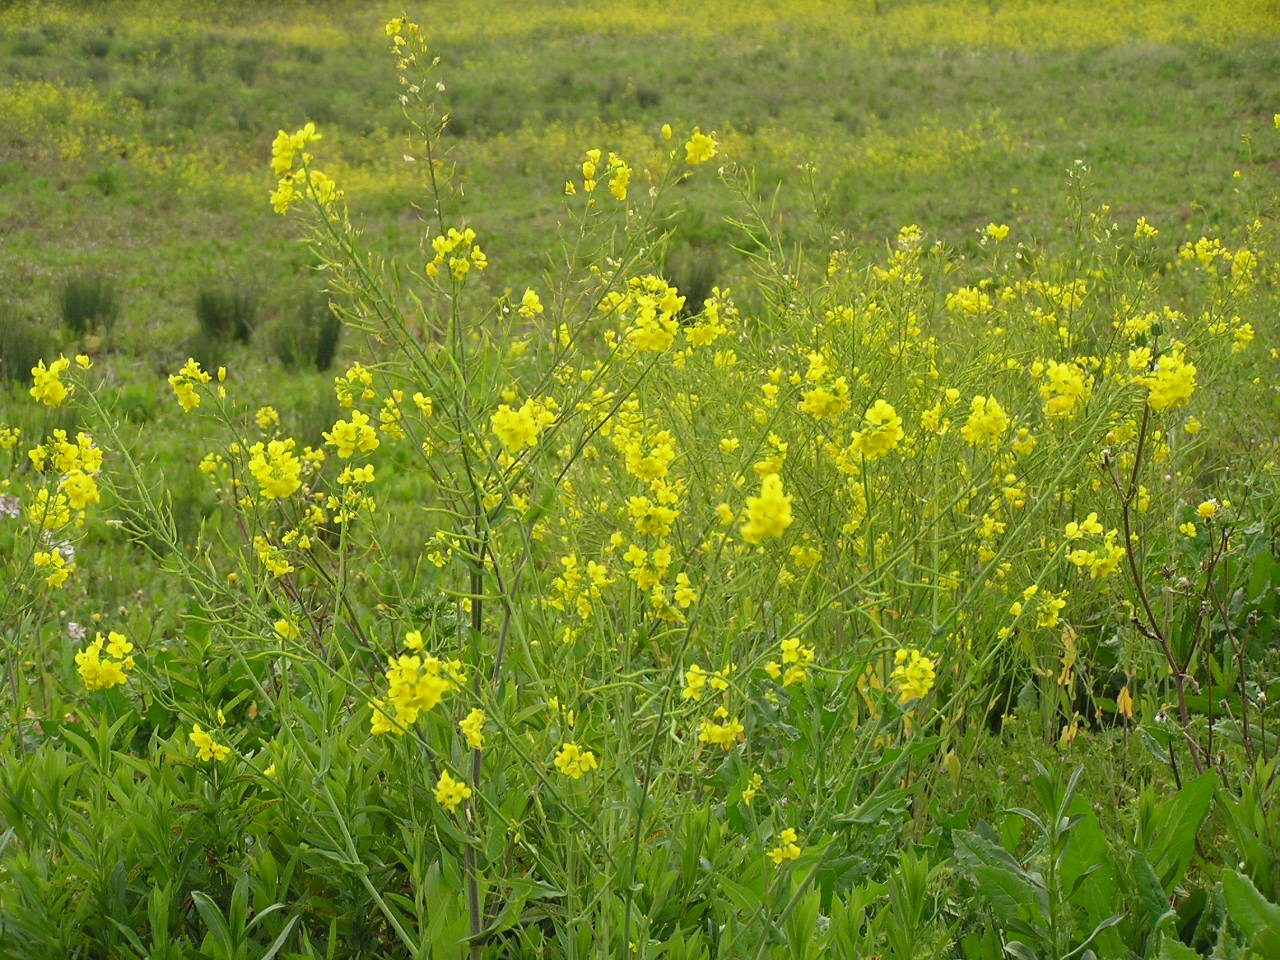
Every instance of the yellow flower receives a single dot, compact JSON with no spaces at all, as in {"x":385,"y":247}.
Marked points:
{"x":472,"y":727}
{"x":450,"y":792}
{"x":987,"y":422}
{"x":769,"y":514}
{"x":913,"y":675}
{"x":80,"y":488}
{"x":700,"y":147}
{"x":1171,"y":383}
{"x":1065,"y":383}
{"x":102,"y":673}
{"x":47,"y":386}
{"x":59,"y":568}
{"x":518,"y":429}
{"x":573,"y":761}
{"x":1124,"y":703}
{"x":787,"y":848}
{"x":720,"y":729}
{"x":417,"y":684}
{"x":276,"y":469}
{"x":184,"y":384}
{"x":206,"y":747}
{"x":882,"y":433}
{"x":530,"y":305}
{"x":352,"y":436}
{"x":1208,"y":510}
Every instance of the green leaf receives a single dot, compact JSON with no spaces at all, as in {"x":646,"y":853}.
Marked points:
{"x":1253,"y":913}
{"x":1173,"y":841}
{"x":214,"y":922}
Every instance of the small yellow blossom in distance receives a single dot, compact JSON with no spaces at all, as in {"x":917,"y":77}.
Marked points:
{"x":1187,"y":529}
{"x":206,"y":747}
{"x":573,"y":761}
{"x":787,"y":848}
{"x":1124,"y":703}
{"x":997,"y":231}
{"x":720,"y":729}
{"x":666,"y":131}
{"x":472,"y":727}
{"x":530,"y":304}
{"x":700,"y":148}
{"x":769,"y":514}
{"x":450,"y":792}
{"x":1144,"y":229}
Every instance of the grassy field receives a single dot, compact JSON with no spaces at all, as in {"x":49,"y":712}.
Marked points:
{"x":736,"y":480}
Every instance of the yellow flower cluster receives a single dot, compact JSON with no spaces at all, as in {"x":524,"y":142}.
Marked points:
{"x":287,"y":150}
{"x":415,"y":684}
{"x":720,"y":729}
{"x":913,"y":675}
{"x":450,"y":792}
{"x":78,"y":462}
{"x":184,"y":384}
{"x":1171,"y":383}
{"x":573,"y":761}
{"x":700,"y":147}
{"x":769,"y":514}
{"x":1064,"y":385}
{"x":520,"y":428}
{"x":787,"y":847}
{"x":795,"y":657}
{"x":48,"y":387}
{"x":207,"y":748}
{"x":56,"y":562}
{"x":881,"y":433}
{"x":104,"y":672}
{"x":472,"y":727}
{"x":697,"y":679}
{"x":987,"y":422}
{"x":460,"y":250}
{"x":648,"y":310}
{"x":352,"y":436}
{"x":276,"y":468}
{"x":618,"y":171}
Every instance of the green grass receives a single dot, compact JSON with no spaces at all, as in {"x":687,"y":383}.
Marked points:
{"x":171,"y":128}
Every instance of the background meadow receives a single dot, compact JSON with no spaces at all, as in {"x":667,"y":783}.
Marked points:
{"x":715,"y":481}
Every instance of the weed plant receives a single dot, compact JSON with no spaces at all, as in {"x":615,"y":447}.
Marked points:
{"x":89,"y":303}
{"x":226,"y":314}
